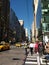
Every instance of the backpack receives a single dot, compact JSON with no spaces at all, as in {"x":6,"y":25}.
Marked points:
{"x":40,"y":47}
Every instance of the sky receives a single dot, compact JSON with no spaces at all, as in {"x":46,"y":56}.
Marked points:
{"x":24,"y":11}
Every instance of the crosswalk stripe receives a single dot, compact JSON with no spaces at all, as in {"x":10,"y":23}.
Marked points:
{"x":38,"y":60}
{"x":32,"y":56}
{"x":29,"y":62}
{"x":30,"y":59}
{"x":43,"y":60}
{"x":35,"y":60}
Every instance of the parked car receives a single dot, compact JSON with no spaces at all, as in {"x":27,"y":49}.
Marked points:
{"x":23,"y":44}
{"x":18,"y":44}
{"x":4,"y":46}
{"x":7,"y":46}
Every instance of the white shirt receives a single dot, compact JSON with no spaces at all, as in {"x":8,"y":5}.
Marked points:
{"x":31,"y":45}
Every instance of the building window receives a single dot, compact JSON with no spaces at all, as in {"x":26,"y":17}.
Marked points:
{"x":42,"y":5}
{"x":47,"y":18}
{"x":45,"y":26}
{"x":44,"y":10}
{"x":42,"y":19}
{"x":48,"y":5}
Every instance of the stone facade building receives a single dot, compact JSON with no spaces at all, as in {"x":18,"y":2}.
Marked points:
{"x":17,"y":32}
{"x":4,"y":19}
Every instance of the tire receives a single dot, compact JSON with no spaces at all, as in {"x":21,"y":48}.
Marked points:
{"x":2,"y":49}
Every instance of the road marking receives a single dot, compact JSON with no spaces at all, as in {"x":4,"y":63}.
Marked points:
{"x":41,"y":59}
{"x":38,"y":60}
{"x":29,"y":62}
{"x":30,"y":59}
{"x":32,"y":56}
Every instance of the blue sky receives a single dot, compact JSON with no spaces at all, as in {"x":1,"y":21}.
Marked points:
{"x":24,"y":11}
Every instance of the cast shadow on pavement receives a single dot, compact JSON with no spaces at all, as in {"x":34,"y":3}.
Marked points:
{"x":16,"y":59}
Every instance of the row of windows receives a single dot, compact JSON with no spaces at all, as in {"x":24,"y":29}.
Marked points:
{"x":44,"y":1}
{"x":45,"y":5}
{"x":45,"y":12}
{"x":45,"y":19}
{"x":45,"y":26}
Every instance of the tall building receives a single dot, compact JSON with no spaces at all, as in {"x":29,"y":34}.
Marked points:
{"x":34,"y":32}
{"x":13,"y":19}
{"x":21,"y":23}
{"x":22,"y":30}
{"x":26,"y":34}
{"x":17,"y":31}
{"x":35,"y":7}
{"x":13,"y":26}
{"x":4,"y":19}
{"x":45,"y":19}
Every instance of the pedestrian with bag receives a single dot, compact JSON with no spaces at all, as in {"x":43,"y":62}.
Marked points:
{"x":40,"y":48}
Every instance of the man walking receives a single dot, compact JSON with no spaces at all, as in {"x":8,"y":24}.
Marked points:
{"x":31,"y":48}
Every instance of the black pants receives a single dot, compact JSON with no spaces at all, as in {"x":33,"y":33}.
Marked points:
{"x":31,"y":50}
{"x":26,"y":51}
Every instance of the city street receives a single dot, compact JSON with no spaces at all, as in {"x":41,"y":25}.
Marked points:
{"x":35,"y":59}
{"x":14,"y":56}
{"x":24,"y":32}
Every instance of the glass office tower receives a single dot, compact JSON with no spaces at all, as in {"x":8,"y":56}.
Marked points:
{"x":45,"y":19}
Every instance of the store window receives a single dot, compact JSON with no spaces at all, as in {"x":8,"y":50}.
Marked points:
{"x":47,"y":18}
{"x":42,"y":19}
{"x":45,"y":27}
{"x":42,"y":5}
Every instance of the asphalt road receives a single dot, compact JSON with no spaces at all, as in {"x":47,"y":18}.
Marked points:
{"x":14,"y":56}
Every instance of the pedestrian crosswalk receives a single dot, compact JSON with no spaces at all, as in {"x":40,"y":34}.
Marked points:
{"x":44,"y":61}
{"x":35,"y":60}
{"x":31,"y":60}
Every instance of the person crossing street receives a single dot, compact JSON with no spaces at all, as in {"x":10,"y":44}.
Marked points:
{"x":31,"y":48}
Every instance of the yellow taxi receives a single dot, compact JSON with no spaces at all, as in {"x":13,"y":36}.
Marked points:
{"x":18,"y":44}
{"x":7,"y":46}
{"x":4,"y":46}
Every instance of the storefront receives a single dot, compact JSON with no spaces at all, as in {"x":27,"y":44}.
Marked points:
{"x":45,"y":31}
